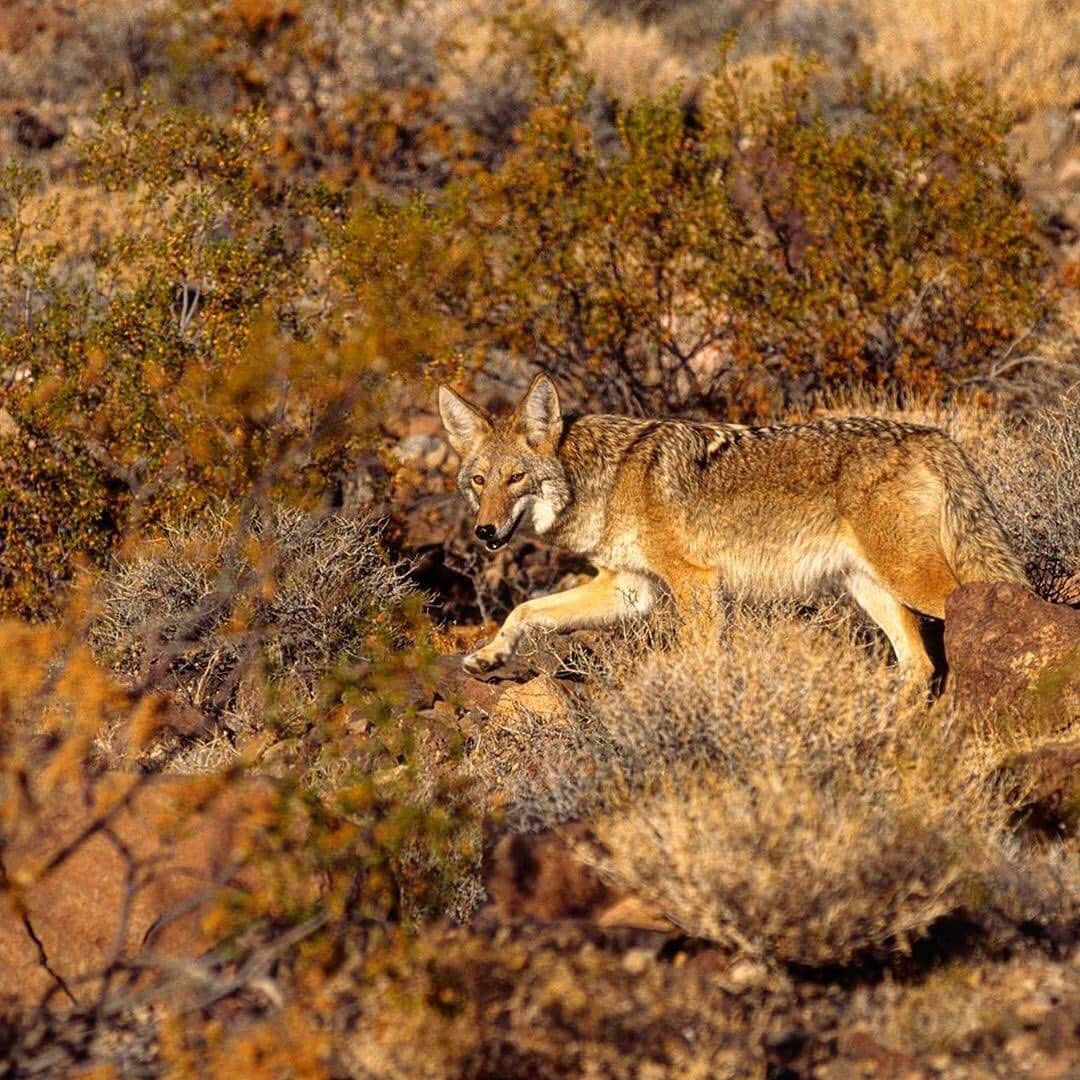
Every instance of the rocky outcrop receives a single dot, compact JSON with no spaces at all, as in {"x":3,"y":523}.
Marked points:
{"x":1007,"y":650}
{"x":136,"y":885}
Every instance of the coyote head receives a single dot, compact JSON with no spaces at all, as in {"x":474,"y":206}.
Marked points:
{"x":509,"y":466}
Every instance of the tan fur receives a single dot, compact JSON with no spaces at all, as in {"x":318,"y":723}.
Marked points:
{"x":893,"y":512}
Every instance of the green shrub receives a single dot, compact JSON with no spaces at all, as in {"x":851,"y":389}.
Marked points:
{"x":741,"y":257}
{"x":188,"y":365}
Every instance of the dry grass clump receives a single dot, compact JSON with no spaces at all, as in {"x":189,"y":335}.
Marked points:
{"x":816,"y":876}
{"x":207,"y":609}
{"x":755,"y":696}
{"x":1033,"y":474}
{"x":61,"y":52}
{"x":783,"y":792}
{"x":627,"y":57}
{"x":1024,"y":49}
{"x":1024,"y":1009}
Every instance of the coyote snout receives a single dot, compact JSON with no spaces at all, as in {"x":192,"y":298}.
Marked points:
{"x":496,"y":536}
{"x":893,"y":512}
{"x":501,"y":504}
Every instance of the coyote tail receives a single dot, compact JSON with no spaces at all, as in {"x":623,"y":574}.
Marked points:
{"x":972,"y":535}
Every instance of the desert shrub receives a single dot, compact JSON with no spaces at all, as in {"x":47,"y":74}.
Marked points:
{"x":315,"y":865}
{"x":64,"y":58}
{"x":810,"y":810}
{"x":352,"y":85}
{"x":744,"y":256}
{"x":111,"y":370}
{"x":957,"y":1013}
{"x":196,"y":362}
{"x":314,"y":585}
{"x":399,"y":95}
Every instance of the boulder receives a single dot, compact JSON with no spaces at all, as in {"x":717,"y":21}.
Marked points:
{"x":537,"y":875}
{"x":168,"y":867}
{"x":543,"y":696}
{"x":426,"y":451}
{"x":1009,"y":651}
{"x":541,"y":876}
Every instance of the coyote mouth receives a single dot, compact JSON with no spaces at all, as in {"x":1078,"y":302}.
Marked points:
{"x":502,"y":541}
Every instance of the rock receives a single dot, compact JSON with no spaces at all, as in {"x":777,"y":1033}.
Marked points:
{"x":1061,"y":1067}
{"x":32,"y":133}
{"x":638,"y":961}
{"x":543,"y":696}
{"x":459,"y":688}
{"x":424,"y":423}
{"x":565,"y":654}
{"x":1031,"y":1013}
{"x":863,"y":1047}
{"x":1022,"y":1047}
{"x":540,"y":876}
{"x":434,"y":459}
{"x":1044,"y":138}
{"x":634,"y":912}
{"x":1069,"y":174}
{"x":745,"y":975}
{"x":1007,"y":650}
{"x":75,"y":910}
{"x":537,"y":875}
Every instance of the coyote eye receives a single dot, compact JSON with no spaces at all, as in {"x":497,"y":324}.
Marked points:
{"x":516,"y":478}
{"x":478,"y":480}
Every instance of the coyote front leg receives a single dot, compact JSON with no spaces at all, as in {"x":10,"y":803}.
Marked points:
{"x":607,"y":598}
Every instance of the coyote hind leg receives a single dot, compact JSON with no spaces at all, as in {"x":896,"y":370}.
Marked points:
{"x":608,"y":598}
{"x":901,"y":626}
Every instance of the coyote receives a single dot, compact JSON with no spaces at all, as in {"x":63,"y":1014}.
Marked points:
{"x":892,"y":511}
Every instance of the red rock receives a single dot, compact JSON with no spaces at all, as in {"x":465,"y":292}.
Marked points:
{"x":539,"y":876}
{"x":543,"y":696}
{"x":1009,"y":650}
{"x":75,"y":911}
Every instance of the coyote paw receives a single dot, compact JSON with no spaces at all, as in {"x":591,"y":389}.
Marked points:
{"x":484,"y":660}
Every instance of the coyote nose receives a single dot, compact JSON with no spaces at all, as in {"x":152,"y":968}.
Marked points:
{"x":485,"y":532}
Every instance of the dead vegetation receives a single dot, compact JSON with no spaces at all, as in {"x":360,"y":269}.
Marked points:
{"x":810,"y":811}
{"x":168,"y":612}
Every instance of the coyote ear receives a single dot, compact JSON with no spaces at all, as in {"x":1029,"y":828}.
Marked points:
{"x":539,"y":412}
{"x":465,"y":424}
